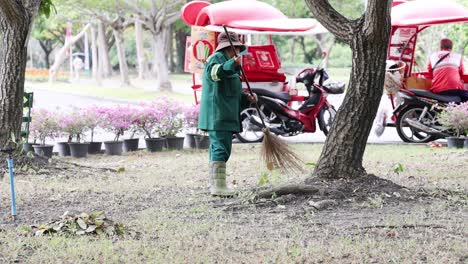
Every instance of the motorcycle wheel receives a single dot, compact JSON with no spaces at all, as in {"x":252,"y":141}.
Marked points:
{"x":326,"y":118}
{"x":250,"y":132}
{"x":409,"y":134}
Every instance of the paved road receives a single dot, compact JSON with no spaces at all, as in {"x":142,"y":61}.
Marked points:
{"x":52,"y":100}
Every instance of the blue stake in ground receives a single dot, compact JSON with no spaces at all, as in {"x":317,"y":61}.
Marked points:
{"x":12,"y":181}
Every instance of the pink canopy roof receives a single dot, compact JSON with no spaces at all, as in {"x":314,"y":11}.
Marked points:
{"x":242,"y":14}
{"x":428,"y":12}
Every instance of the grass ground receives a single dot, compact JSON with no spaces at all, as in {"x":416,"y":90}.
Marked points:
{"x":163,"y":200}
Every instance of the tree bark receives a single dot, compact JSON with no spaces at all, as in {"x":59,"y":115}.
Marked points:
{"x":160,"y":66}
{"x":181,"y":37}
{"x":62,"y":54}
{"x":16,"y":19}
{"x":123,"y":66}
{"x":368,"y":36}
{"x":103,"y":51}
{"x":142,"y":61}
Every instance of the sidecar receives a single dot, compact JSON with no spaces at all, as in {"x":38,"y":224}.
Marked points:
{"x":261,"y":63}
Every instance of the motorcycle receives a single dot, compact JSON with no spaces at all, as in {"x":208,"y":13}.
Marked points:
{"x":416,"y":115}
{"x":282,"y":119}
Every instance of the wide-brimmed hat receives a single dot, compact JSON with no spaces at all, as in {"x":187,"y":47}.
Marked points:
{"x":223,"y":41}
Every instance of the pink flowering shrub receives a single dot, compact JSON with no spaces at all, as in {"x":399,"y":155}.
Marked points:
{"x":116,"y":120}
{"x":149,"y":117}
{"x":191,"y":115}
{"x":173,"y":117}
{"x":72,"y":124}
{"x":93,"y":118}
{"x":43,"y":124}
{"x":455,"y":117}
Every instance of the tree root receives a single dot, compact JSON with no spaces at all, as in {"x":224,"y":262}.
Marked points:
{"x":296,"y":189}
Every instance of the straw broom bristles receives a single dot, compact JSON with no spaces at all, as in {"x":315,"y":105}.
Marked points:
{"x":276,"y":153}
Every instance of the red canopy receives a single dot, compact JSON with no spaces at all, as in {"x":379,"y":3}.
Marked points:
{"x":428,"y":12}
{"x":243,"y":14}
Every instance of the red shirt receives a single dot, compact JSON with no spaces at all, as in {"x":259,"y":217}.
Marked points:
{"x":447,"y":73}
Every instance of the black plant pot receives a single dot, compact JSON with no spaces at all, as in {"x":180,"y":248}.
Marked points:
{"x":176,"y":143}
{"x":63,"y":149}
{"x":79,"y":150}
{"x":113,"y":147}
{"x":455,"y":142}
{"x":190,"y":139}
{"x":43,"y":150}
{"x":130,"y":144}
{"x":202,"y":142}
{"x":27,"y":147}
{"x":94,"y":147}
{"x":155,"y":144}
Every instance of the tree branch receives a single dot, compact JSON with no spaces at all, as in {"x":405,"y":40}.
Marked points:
{"x":380,"y":9}
{"x":331,"y":19}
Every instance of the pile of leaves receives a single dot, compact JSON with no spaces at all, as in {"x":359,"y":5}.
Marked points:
{"x":94,"y":223}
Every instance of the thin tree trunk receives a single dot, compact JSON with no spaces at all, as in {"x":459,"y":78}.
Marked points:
{"x":142,"y":62}
{"x":13,"y":58}
{"x":160,"y":67}
{"x":368,"y":36}
{"x":104,"y":61}
{"x":47,"y":48}
{"x":292,"y":50}
{"x":181,"y":37}
{"x":62,"y":54}
{"x":123,"y":66}
{"x":97,"y":74}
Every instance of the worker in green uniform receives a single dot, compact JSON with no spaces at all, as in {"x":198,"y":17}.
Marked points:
{"x":221,"y":103}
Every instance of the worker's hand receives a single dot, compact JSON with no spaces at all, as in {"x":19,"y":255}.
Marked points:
{"x":252,"y":99}
{"x":238,"y":60}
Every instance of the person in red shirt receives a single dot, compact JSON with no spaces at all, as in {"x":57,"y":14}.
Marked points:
{"x":445,"y":69}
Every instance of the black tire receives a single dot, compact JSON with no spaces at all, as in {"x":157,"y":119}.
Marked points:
{"x":409,"y":134}
{"x":250,"y":133}
{"x":326,"y":117}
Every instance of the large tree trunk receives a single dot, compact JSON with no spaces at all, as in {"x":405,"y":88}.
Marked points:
{"x":368,"y":36}
{"x":160,"y":67}
{"x":123,"y":66}
{"x":104,"y":61}
{"x":142,"y":61}
{"x":15,"y":25}
{"x":62,"y":54}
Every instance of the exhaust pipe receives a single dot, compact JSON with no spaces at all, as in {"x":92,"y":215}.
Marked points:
{"x":427,"y":129}
{"x":255,"y":120}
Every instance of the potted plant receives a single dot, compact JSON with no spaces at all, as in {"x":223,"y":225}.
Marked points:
{"x":77,"y":125}
{"x":172,"y":123}
{"x":455,"y":118}
{"x":148,"y":122}
{"x":113,"y":121}
{"x":65,"y":124}
{"x":130,"y":116}
{"x":44,"y":125}
{"x":93,"y":119}
{"x":200,"y":138}
{"x":191,"y":123}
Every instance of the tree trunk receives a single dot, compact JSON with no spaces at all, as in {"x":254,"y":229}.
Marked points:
{"x":181,"y":37}
{"x":15,"y":25}
{"x":97,"y":74}
{"x":368,"y":36}
{"x":142,"y":61}
{"x":160,"y":67}
{"x":62,"y":54}
{"x":123,"y":66}
{"x":47,"y":47}
{"x":104,"y":61}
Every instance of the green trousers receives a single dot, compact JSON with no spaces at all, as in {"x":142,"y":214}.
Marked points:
{"x":220,"y":145}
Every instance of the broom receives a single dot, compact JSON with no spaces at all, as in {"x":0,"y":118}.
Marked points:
{"x":275,"y":152}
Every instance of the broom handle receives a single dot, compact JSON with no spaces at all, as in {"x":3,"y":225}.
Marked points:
{"x":244,"y":76}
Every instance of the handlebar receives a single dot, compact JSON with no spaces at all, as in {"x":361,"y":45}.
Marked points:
{"x":308,"y":77}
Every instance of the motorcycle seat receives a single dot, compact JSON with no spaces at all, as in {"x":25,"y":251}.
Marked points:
{"x":263,"y":92}
{"x":442,"y":98}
